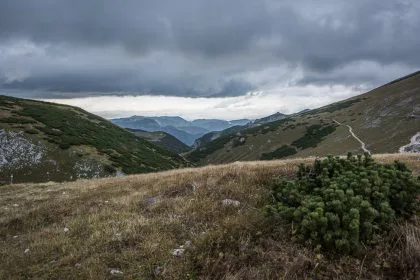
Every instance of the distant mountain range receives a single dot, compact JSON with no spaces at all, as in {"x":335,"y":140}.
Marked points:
{"x":185,"y":131}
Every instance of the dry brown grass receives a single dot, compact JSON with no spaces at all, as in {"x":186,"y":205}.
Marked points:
{"x":133,"y":223}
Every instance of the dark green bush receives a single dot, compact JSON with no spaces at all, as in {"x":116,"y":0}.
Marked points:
{"x":16,"y":120}
{"x":283,"y":151}
{"x":338,"y":203}
{"x":31,"y":131}
{"x":313,"y":136}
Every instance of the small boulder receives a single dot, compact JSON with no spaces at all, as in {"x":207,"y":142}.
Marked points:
{"x":66,"y":229}
{"x":26,"y":251}
{"x":178,"y":252}
{"x":116,"y":272}
{"x":230,"y":202}
{"x":158,"y":270}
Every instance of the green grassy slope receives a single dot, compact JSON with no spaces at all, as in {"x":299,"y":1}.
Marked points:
{"x":69,"y":139}
{"x":384,"y":118}
{"x":162,"y":139}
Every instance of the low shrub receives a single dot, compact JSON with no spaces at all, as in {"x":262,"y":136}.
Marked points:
{"x":313,"y":136}
{"x":283,"y":151}
{"x":338,"y":203}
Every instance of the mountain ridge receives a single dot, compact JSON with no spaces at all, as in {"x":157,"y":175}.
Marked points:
{"x":183,"y":130}
{"x":385,"y":118}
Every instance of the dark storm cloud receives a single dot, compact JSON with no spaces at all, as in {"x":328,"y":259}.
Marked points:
{"x":203,"y":48}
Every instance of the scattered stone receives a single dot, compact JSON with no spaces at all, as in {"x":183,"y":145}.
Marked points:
{"x":16,"y":236}
{"x":106,"y":201}
{"x":230,"y":202}
{"x":26,"y":251}
{"x":194,"y":187}
{"x":64,"y":192}
{"x":178,"y":252}
{"x":116,"y":272}
{"x":66,"y":229}
{"x":158,"y":270}
{"x":15,"y":205}
{"x":78,"y":265}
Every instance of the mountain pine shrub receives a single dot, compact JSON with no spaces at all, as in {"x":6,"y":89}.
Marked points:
{"x":340,"y":202}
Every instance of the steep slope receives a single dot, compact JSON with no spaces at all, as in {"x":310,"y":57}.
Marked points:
{"x":162,"y":139}
{"x":384,"y":119}
{"x":208,"y":137}
{"x":44,"y":141}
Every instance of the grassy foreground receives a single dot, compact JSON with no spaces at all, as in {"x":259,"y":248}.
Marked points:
{"x":129,"y":227}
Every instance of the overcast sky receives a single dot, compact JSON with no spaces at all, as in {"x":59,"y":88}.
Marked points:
{"x":215,"y":59}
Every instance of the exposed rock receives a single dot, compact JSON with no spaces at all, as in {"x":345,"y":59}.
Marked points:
{"x":194,"y":186}
{"x":158,"y":270}
{"x":230,"y":202}
{"x":178,"y":252}
{"x":66,"y":229}
{"x":413,"y":147}
{"x":116,"y":272}
{"x":117,"y":237}
{"x":87,"y":168}
{"x":18,"y":152}
{"x":26,"y":251}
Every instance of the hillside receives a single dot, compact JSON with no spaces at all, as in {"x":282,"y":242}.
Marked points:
{"x":239,"y":126}
{"x":385,"y":119}
{"x":174,"y":225}
{"x":162,"y":139}
{"x":44,"y":141}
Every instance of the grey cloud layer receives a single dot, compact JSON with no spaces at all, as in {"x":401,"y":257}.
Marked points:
{"x":204,"y":48}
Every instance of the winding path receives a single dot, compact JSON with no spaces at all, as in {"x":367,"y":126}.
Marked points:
{"x":355,"y":137}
